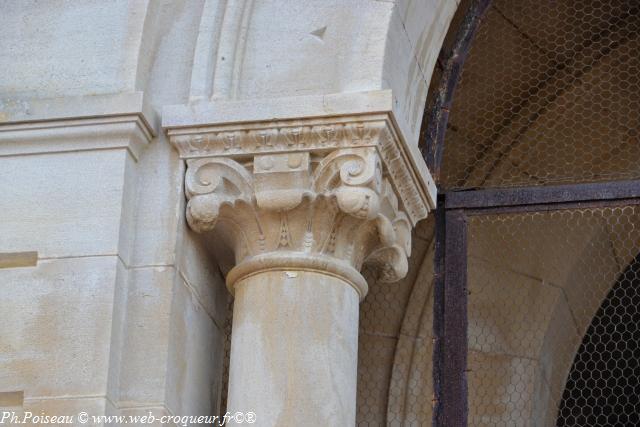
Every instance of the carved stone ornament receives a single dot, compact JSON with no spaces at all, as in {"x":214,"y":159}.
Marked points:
{"x":327,"y":195}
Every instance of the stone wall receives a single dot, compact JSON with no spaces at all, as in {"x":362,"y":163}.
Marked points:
{"x":121,"y":309}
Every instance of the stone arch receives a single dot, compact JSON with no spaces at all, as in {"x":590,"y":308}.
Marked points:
{"x":271,"y":49}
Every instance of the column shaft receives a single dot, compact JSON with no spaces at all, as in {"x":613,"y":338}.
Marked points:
{"x":294,"y":349}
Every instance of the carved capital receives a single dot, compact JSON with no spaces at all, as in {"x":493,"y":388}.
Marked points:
{"x":329,"y":195}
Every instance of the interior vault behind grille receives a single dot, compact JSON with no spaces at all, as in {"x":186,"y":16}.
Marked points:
{"x":549,"y":94}
{"x":538,"y":283}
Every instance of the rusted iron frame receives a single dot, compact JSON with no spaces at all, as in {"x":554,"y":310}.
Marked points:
{"x":438,"y":312}
{"x":450,"y":293}
{"x":450,"y":318}
{"x":433,"y":146}
{"x":549,"y":207}
{"x":536,"y":198}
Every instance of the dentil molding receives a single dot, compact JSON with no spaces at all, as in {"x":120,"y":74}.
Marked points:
{"x":328,"y":193}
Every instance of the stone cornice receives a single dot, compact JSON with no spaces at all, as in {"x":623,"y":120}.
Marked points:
{"x":127,"y":131}
{"x":296,"y":111}
{"x":76,"y":123}
{"x":315,"y":135}
{"x":15,"y":110}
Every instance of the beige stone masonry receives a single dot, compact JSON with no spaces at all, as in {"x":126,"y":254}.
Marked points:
{"x":80,"y":123}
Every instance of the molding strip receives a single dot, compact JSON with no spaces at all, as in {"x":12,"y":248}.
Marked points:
{"x":18,"y":259}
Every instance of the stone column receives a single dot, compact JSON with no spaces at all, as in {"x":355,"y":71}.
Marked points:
{"x":295,"y":208}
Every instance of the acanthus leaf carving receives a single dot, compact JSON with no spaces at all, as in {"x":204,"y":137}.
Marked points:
{"x":337,"y":192}
{"x":354,"y":176}
{"x":212,"y":183}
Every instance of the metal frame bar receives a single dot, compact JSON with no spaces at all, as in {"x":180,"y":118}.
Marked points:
{"x":450,"y":318}
{"x":438,"y":312}
{"x":452,"y":63}
{"x":554,"y":195}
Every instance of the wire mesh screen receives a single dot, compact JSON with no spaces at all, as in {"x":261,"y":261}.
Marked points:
{"x":604,"y":382}
{"x":550,"y":93}
{"x":226,"y":358}
{"x":553,"y":317}
{"x":395,"y":343}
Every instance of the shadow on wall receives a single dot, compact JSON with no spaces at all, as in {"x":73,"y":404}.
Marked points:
{"x":604,"y":381}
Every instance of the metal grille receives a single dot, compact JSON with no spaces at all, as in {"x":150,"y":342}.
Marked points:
{"x":553,"y":317}
{"x":550,"y":93}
